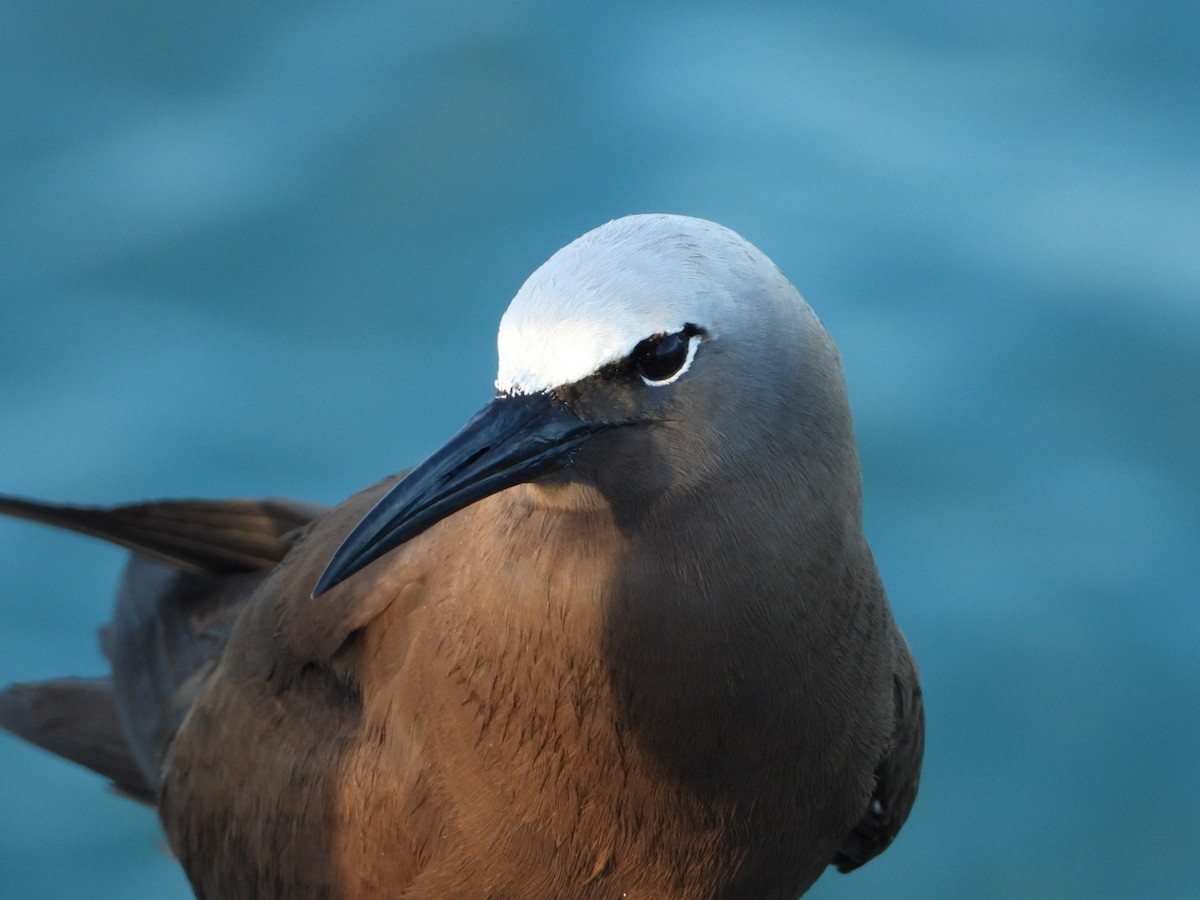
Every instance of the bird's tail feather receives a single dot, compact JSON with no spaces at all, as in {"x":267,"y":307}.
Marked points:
{"x":76,"y":718}
{"x":194,"y":564}
{"x":193,"y":535}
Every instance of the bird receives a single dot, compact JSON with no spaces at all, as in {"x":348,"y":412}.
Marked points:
{"x":621,"y":636}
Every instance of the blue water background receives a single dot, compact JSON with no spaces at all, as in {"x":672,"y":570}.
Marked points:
{"x":261,"y":249}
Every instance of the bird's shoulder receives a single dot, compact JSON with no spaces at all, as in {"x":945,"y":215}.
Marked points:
{"x":898,"y":772}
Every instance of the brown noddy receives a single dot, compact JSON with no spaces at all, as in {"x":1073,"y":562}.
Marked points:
{"x":622,"y":636}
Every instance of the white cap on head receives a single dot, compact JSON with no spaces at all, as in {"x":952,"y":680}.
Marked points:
{"x":593,"y":301}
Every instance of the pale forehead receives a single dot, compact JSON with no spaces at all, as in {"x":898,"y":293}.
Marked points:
{"x":595,"y":299}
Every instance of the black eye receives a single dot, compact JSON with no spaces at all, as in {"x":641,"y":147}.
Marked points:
{"x":658,"y":359}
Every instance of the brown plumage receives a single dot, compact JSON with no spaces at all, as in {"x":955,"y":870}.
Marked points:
{"x":621,"y":637}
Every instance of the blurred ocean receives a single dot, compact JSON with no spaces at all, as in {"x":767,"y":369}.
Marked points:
{"x":262,"y":249}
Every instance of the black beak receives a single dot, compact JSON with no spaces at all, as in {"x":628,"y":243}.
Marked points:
{"x":510,"y":441}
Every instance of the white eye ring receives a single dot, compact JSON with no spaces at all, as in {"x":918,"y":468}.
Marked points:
{"x":693,"y":346}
